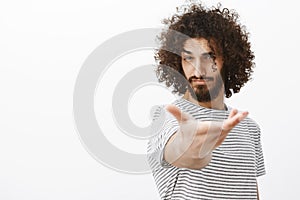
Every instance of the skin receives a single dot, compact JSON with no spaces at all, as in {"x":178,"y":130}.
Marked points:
{"x":191,"y":146}
{"x":195,"y":58}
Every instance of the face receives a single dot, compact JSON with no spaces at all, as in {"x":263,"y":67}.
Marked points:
{"x":202,"y":67}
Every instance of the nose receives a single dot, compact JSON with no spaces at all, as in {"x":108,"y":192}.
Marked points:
{"x":199,"y":69}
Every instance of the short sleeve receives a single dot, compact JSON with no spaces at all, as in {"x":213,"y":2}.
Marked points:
{"x":259,"y":158}
{"x":260,"y":164}
{"x":163,"y":126}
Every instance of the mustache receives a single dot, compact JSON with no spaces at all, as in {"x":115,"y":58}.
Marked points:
{"x":206,"y":78}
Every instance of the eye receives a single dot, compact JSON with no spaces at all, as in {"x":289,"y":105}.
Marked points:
{"x":209,"y":56}
{"x":188,"y":58}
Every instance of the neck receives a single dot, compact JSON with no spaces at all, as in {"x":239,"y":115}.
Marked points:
{"x":217,"y":103}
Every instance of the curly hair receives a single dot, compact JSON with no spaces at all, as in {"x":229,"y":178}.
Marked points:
{"x":217,"y":25}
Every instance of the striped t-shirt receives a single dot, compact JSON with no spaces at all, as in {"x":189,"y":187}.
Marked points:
{"x":232,"y":172}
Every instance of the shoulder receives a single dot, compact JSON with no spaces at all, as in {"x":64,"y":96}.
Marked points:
{"x":252,"y":125}
{"x":249,"y":123}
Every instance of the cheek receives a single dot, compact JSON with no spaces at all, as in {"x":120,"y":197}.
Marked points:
{"x":215,"y":69}
{"x":219,"y":63}
{"x":187,"y":69}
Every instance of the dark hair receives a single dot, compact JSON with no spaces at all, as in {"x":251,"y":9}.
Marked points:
{"x":217,"y":25}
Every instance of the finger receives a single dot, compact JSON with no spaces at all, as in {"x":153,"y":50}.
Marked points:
{"x":232,"y":113}
{"x":221,"y":138}
{"x":178,"y":114}
{"x":233,"y":121}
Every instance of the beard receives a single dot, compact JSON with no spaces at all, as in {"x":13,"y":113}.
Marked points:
{"x":202,"y":94}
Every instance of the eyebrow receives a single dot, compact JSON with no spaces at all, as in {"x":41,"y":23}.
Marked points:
{"x":186,"y":51}
{"x":204,"y":54}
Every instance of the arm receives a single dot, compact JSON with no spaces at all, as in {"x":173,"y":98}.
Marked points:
{"x":192,"y":144}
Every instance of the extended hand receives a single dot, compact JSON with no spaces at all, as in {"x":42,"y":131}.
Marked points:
{"x":192,"y":144}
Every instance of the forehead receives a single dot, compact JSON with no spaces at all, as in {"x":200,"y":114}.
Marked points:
{"x":197,"y":45}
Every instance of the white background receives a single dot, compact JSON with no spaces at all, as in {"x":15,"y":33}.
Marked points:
{"x":43,"y":45}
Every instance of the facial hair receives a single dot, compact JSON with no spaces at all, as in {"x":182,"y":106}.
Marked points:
{"x":202,"y":93}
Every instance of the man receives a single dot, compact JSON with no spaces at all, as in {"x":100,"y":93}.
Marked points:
{"x":204,"y":149}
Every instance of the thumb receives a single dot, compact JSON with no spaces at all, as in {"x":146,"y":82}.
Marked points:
{"x":178,"y":114}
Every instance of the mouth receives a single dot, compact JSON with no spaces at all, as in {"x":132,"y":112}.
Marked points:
{"x":201,"y":81}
